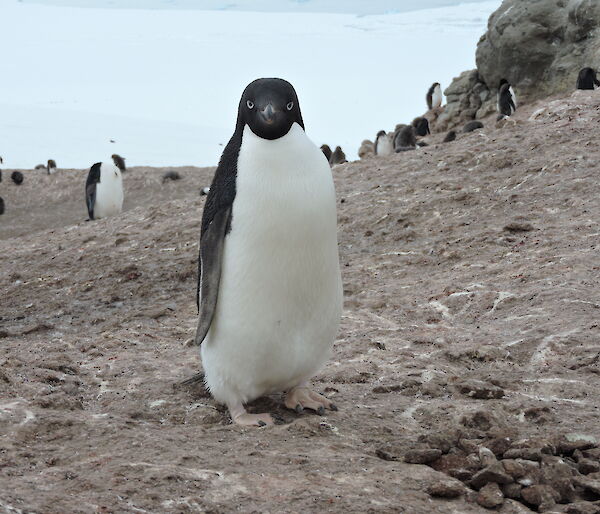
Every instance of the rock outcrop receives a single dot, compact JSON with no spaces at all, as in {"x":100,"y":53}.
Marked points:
{"x":539,"y":46}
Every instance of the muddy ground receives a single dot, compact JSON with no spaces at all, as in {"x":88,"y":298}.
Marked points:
{"x":475,"y":260}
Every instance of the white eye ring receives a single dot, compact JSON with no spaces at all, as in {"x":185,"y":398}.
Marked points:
{"x":250,"y":104}
{"x":290,"y":106}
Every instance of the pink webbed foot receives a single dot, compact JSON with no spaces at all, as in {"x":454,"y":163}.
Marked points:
{"x":240,"y":417}
{"x":302,"y":397}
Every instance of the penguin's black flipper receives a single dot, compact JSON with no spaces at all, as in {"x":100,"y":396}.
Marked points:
{"x":211,"y":253}
{"x":90,"y":188}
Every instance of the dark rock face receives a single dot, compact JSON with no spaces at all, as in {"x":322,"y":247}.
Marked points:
{"x":560,"y":36}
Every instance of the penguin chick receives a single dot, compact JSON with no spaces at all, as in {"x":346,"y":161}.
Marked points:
{"x":337,"y":157}
{"x":587,"y":79}
{"x":472,"y":125}
{"x":450,"y":136}
{"x":421,"y":126}
{"x":171,"y":175}
{"x":384,"y":144}
{"x":405,"y":139}
{"x":326,"y":152}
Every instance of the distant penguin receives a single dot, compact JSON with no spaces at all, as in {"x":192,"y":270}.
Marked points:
{"x":204,"y":191}
{"x":384,"y":144}
{"x":366,"y":149}
{"x":405,"y":139}
{"x":40,"y":167}
{"x":421,"y":126}
{"x":0,"y":175}
{"x":472,"y":125}
{"x":512,"y":92}
{"x":450,"y":136}
{"x":434,"y":96}
{"x":326,"y":152}
{"x":587,"y":79}
{"x":506,"y":100}
{"x":171,"y":175}
{"x":51,"y":167}
{"x":270,"y":288}
{"x":104,"y":190}
{"x":17,"y":177}
{"x":337,"y":157}
{"x":119,"y":162}
{"x":1,"y":206}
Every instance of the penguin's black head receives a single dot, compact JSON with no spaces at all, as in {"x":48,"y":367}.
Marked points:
{"x":269,"y":107}
{"x":502,"y":82}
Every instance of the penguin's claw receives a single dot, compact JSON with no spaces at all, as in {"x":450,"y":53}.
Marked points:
{"x":302,"y":397}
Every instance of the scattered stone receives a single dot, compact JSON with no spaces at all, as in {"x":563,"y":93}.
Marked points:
{"x":512,"y":491}
{"x":524,"y":453}
{"x":514,"y":468}
{"x":499,"y":445}
{"x":480,"y":390}
{"x":384,"y":455}
{"x":446,"y":489}
{"x":516,"y":226}
{"x":487,"y":457}
{"x":593,"y":453}
{"x":588,"y":483}
{"x":513,"y":507}
{"x":542,"y":496}
{"x":494,"y":473}
{"x":567,"y":444}
{"x":490,"y":496}
{"x":558,"y":474}
{"x":424,"y":456}
{"x":582,"y":508}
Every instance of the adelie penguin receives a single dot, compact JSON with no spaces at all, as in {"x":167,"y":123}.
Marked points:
{"x":384,"y":144}
{"x":507,"y":102}
{"x":104,"y":190}
{"x":587,"y":79}
{"x":270,"y":289}
{"x":51,"y":166}
{"x":434,"y":96}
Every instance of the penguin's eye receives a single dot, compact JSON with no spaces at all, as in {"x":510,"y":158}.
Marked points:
{"x":290,"y":106}
{"x":250,"y":104}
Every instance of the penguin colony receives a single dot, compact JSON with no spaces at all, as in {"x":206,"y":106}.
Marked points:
{"x":269,"y":290}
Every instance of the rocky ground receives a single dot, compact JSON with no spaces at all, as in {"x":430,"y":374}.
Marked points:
{"x":467,"y":368}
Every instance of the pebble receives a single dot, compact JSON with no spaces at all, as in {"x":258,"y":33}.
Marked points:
{"x":539,"y":495}
{"x":446,"y":489}
{"x":524,"y":453}
{"x":494,"y":473}
{"x":587,"y":466}
{"x":480,"y":390}
{"x":490,"y":496}
{"x":424,"y":456}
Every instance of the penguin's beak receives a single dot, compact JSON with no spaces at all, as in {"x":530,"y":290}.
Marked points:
{"x":268,"y":114}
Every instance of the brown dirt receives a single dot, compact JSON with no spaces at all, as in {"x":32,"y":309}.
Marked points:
{"x":470,"y":261}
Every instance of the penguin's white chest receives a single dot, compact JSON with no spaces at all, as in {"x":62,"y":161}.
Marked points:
{"x":109,"y":192}
{"x":385,"y":145}
{"x":280,"y":296}
{"x":436,"y":97}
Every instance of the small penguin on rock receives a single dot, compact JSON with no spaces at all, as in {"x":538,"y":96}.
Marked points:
{"x":506,"y":100}
{"x":587,"y":79}
{"x":51,"y":167}
{"x":171,"y":175}
{"x":1,"y":206}
{"x":421,"y":126}
{"x":434,"y":96}
{"x":270,"y":289}
{"x":17,"y":177}
{"x":337,"y":157}
{"x":104,"y":191}
{"x":384,"y":145}
{"x":405,"y":138}
{"x":326,"y":152}
{"x":472,"y":125}
{"x":450,"y":136}
{"x":366,"y":149}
